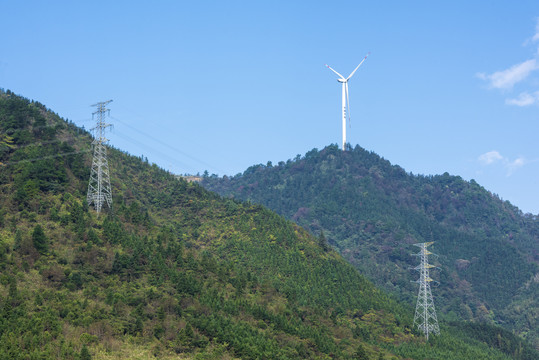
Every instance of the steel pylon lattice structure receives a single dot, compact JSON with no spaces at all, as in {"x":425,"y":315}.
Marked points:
{"x":425,"y":314}
{"x":99,"y":189}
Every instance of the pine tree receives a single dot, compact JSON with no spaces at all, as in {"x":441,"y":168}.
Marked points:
{"x":40,"y":240}
{"x":13,"y":291}
{"x":361,"y":353}
{"x":322,"y":241}
{"x":85,"y":354}
{"x":18,"y":240}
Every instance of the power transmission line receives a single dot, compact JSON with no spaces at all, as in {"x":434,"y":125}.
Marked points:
{"x":143,"y":145}
{"x":167,"y":145}
{"x":45,"y":157}
{"x":99,"y":189}
{"x":425,"y":313}
{"x":41,"y":143}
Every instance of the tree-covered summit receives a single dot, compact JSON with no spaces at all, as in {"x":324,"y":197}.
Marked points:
{"x":371,"y":211}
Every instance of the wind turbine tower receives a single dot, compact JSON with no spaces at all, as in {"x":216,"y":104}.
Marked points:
{"x":345,"y":98}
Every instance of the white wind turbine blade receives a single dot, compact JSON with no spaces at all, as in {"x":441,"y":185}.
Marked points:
{"x":329,"y":67}
{"x":357,"y":67}
{"x":348,"y":104}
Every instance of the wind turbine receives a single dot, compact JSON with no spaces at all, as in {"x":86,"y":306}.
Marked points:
{"x":345,"y":98}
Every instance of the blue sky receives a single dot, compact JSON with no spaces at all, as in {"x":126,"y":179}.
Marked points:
{"x":449,"y":86}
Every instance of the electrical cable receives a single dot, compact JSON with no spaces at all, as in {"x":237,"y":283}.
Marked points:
{"x":45,"y":157}
{"x":167,"y":145}
{"x":140,"y":144}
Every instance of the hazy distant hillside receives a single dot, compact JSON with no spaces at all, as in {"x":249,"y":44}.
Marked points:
{"x":372,"y":211}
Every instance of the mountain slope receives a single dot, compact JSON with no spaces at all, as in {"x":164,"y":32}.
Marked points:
{"x":372,"y":211}
{"x":176,"y":271}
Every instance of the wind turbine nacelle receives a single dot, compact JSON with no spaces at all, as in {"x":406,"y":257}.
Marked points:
{"x":341,"y":80}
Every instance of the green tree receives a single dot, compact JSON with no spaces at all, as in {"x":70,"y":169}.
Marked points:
{"x":361,"y":353}
{"x":18,"y":240}
{"x":322,"y":241}
{"x":85,"y":354}
{"x":13,"y":292}
{"x":40,"y":240}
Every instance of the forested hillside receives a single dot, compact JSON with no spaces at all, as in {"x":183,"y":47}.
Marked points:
{"x":372,"y":211}
{"x":176,"y":271}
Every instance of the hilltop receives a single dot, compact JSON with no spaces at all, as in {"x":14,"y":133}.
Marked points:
{"x":176,"y":271}
{"x":372,"y":212}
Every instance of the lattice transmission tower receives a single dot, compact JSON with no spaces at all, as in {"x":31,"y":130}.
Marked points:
{"x":99,"y":190}
{"x":425,"y":313}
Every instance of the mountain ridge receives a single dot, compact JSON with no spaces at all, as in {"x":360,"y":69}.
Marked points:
{"x":371,"y":211}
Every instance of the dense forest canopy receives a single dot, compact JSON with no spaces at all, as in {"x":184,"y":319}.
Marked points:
{"x":372,"y":211}
{"x":176,"y":271}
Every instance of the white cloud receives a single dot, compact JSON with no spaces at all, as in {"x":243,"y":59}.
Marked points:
{"x":524,"y":99}
{"x":494,"y":156}
{"x":536,"y":36}
{"x":506,"y":79}
{"x":512,"y":166}
{"x":490,"y":157}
